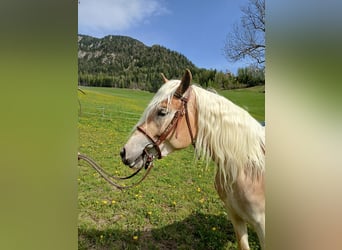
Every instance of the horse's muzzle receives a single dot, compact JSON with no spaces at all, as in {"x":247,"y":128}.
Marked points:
{"x":125,"y":160}
{"x":147,"y":156}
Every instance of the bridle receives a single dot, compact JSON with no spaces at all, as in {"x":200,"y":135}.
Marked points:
{"x":154,"y":145}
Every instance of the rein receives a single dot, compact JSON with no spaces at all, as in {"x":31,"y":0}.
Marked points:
{"x":108,"y":177}
{"x":172,"y":126}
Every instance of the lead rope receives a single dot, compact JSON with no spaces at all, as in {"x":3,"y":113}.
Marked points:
{"x":108,"y":177}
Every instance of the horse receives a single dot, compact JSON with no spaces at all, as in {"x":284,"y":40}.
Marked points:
{"x":180,"y":114}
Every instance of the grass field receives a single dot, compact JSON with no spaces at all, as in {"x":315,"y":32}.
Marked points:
{"x":176,"y":207}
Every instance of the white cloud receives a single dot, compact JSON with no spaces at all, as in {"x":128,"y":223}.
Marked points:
{"x":103,"y":16}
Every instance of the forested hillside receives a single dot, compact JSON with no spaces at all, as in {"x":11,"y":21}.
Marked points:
{"x":118,"y":61}
{"x":124,"y":62}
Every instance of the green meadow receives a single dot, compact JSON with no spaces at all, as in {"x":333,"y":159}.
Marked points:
{"x":175,"y":207}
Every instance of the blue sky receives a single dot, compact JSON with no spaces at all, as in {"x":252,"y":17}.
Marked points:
{"x":195,"y":28}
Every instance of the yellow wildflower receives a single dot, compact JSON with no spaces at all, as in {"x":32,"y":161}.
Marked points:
{"x":135,"y":237}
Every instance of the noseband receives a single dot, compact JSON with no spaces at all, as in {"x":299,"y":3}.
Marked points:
{"x":154,"y":145}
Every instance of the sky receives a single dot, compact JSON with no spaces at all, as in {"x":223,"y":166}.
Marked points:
{"x":197,"y":29}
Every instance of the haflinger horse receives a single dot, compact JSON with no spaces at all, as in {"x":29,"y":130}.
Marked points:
{"x":180,"y":114}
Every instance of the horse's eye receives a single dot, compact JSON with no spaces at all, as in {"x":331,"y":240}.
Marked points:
{"x":162,"y":112}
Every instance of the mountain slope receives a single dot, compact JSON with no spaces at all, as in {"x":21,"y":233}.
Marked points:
{"x":120,"y":61}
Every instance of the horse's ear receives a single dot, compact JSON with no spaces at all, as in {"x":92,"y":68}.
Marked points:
{"x":185,"y":83}
{"x":164,"y":78}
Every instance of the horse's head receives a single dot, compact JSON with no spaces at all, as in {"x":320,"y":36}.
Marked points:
{"x":168,"y":124}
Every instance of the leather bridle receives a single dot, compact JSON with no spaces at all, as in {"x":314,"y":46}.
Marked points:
{"x":154,"y":145}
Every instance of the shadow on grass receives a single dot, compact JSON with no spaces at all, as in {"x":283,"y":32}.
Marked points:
{"x":198,"y":231}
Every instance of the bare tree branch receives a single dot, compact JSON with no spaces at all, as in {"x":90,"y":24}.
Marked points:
{"x":247,"y":39}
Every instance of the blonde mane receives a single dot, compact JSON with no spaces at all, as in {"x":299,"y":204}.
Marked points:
{"x":227,"y":134}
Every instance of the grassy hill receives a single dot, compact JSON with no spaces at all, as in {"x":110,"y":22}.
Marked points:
{"x":251,"y":99}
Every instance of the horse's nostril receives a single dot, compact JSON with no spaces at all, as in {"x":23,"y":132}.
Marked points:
{"x":123,"y":153}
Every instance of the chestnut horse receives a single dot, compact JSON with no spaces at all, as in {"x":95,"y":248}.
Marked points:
{"x":180,"y":114}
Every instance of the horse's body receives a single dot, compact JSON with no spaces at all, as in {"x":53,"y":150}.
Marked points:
{"x":180,"y":114}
